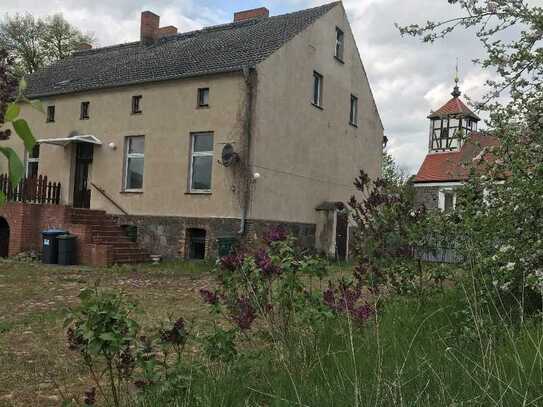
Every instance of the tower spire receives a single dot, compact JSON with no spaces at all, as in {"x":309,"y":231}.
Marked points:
{"x":456,"y":91}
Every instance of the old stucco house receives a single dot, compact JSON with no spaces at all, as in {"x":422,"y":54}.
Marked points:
{"x":455,"y":147}
{"x":201,"y":136}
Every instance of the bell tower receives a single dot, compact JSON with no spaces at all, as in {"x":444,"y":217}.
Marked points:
{"x":451,"y":124}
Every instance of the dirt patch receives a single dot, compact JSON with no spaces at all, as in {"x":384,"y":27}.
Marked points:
{"x":33,"y":301}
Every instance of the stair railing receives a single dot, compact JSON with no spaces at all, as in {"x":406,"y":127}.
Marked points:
{"x":109,"y":198}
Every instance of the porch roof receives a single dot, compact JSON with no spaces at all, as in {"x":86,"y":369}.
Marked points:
{"x":64,"y":141}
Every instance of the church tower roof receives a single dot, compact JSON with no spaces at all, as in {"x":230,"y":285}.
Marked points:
{"x":455,"y":106}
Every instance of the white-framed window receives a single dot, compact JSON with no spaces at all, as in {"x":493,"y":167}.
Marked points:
{"x":447,"y":199}
{"x":353,"y":118}
{"x":33,"y":161}
{"x":134,"y":163}
{"x":340,"y":43}
{"x":201,"y":162}
{"x":317,"y":89}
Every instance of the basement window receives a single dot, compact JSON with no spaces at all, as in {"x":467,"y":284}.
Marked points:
{"x":203,"y":97}
{"x":84,"y":111}
{"x":317,"y":89}
{"x":50,"y":114}
{"x":136,"y":104}
{"x":196,"y":244}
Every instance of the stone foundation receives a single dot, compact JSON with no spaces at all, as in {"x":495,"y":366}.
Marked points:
{"x":167,"y":235}
{"x":427,"y":196}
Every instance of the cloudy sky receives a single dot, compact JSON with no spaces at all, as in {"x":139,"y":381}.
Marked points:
{"x":408,"y":78}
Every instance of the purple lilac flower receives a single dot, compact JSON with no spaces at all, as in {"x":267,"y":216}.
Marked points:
{"x":264,"y":263}
{"x":363,"y":312}
{"x":276,"y":234}
{"x":232,"y":262}
{"x":345,"y":300}
{"x":209,"y":297}
{"x":244,"y":314}
{"x":177,"y":335}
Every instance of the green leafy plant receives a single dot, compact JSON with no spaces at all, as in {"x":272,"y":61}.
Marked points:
{"x":11,"y":99}
{"x":124,"y":364}
{"x":390,"y":238}
{"x":269,"y":291}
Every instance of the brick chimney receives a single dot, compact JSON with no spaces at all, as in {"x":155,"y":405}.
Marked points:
{"x":150,"y":23}
{"x":166,"y":31}
{"x":250,"y":14}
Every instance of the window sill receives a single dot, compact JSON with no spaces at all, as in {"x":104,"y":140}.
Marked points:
{"x":202,"y":107}
{"x":198,"y":193}
{"x":339,"y":60}
{"x":84,"y":118}
{"x":132,"y":191}
{"x":317,"y":106}
{"x":353,"y":125}
{"x":136,"y":113}
{"x":49,"y":121}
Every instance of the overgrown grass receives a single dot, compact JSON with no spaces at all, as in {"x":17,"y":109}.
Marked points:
{"x":411,"y":355}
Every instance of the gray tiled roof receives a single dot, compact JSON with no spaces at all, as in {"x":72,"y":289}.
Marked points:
{"x":218,"y":49}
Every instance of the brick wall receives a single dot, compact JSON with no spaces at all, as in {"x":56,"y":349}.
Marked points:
{"x":26,"y":222}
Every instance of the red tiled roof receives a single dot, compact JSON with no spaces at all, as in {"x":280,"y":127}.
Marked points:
{"x":455,"y":166}
{"x":453,"y":106}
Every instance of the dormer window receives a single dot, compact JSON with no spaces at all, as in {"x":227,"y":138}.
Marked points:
{"x":84,"y":110}
{"x":340,"y":44}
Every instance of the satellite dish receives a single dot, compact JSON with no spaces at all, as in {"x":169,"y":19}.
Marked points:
{"x":229,"y":156}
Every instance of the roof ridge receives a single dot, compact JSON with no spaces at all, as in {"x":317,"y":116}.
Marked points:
{"x":211,"y":28}
{"x":210,"y":50}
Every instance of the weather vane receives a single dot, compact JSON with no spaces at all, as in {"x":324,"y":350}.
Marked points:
{"x":456,"y":91}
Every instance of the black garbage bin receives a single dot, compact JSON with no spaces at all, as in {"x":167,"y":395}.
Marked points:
{"x":66,"y":249}
{"x":50,"y":245}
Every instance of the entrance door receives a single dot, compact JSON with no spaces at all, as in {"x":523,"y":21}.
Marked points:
{"x":83,"y":158}
{"x":342,"y":230}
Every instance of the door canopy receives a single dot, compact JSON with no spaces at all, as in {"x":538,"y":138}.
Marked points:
{"x":63,"y":142}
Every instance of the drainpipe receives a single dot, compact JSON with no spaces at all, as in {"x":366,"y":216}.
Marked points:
{"x":249,"y":74}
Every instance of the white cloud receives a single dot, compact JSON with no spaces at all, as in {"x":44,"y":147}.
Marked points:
{"x":409,"y":79}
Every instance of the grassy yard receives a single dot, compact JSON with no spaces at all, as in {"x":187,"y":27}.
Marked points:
{"x":34,"y":358}
{"x":434,"y":352}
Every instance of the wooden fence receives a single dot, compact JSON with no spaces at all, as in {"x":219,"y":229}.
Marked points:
{"x":31,"y":190}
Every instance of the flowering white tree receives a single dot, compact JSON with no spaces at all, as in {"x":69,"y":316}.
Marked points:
{"x":500,"y":217}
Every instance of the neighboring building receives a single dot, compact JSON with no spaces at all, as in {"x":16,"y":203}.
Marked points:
{"x":455,"y":147}
{"x":211,"y":134}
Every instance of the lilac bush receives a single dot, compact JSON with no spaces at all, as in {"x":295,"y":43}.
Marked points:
{"x":270,"y":292}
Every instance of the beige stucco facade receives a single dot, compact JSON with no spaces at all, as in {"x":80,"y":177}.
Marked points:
{"x":170,"y":115}
{"x":304,"y":155}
